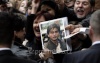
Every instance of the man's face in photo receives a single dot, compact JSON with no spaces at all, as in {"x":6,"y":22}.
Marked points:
{"x":53,"y":34}
{"x":82,"y":8}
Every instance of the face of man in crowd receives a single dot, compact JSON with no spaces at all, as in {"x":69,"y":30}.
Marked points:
{"x":36,"y":25}
{"x":48,"y":9}
{"x":53,"y":34}
{"x":82,"y":8}
{"x":22,"y":7}
{"x":20,"y":34}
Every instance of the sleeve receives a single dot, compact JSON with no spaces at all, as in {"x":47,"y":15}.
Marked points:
{"x":85,"y":22}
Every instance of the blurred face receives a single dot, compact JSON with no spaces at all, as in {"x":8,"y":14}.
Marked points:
{"x":69,"y":4}
{"x":36,"y":25}
{"x":53,"y":34}
{"x":22,"y":7}
{"x":3,"y":7}
{"x":82,"y":8}
{"x":49,"y":9}
{"x":9,"y":4}
{"x":20,"y":34}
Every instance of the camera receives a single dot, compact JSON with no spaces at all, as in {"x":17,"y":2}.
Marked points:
{"x":3,"y":1}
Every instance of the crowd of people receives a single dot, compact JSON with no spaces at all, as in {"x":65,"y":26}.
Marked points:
{"x":20,"y":36}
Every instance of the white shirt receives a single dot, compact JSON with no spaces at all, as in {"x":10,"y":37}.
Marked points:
{"x":4,"y":49}
{"x":96,"y":42}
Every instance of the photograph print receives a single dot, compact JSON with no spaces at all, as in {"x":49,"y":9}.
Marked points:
{"x":52,"y":35}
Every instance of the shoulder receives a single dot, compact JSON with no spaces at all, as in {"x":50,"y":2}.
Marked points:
{"x":83,"y":55}
{"x":11,"y":58}
{"x":15,"y":59}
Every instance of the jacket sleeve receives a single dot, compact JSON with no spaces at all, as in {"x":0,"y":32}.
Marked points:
{"x":85,"y":22}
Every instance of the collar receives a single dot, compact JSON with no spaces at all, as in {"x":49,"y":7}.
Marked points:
{"x":96,"y":42}
{"x":4,"y":49}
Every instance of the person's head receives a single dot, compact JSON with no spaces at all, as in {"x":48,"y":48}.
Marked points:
{"x":9,"y":4}
{"x":19,"y":27}
{"x":12,"y":3}
{"x":95,"y":26}
{"x":49,"y":6}
{"x":40,"y":17}
{"x":83,"y":7}
{"x":61,"y":4}
{"x":3,"y":6}
{"x":69,"y":3}
{"x":6,"y":29}
{"x":53,"y":31}
{"x":23,"y":6}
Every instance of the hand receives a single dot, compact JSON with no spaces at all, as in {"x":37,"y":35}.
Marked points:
{"x":47,"y":54}
{"x":70,"y":27}
{"x":35,"y":5}
{"x":80,"y":35}
{"x":75,"y":30}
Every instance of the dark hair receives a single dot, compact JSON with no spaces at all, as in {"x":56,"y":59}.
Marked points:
{"x":46,"y":15}
{"x":19,"y":22}
{"x":51,"y":4}
{"x":3,"y":1}
{"x":6,"y":28}
{"x":53,"y":26}
{"x":92,"y":2}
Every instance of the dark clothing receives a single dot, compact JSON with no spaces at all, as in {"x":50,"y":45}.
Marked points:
{"x":32,"y":43}
{"x":86,"y":22}
{"x":6,"y":56}
{"x":58,"y":57}
{"x":91,"y":55}
{"x":29,"y":27}
{"x":35,"y":44}
{"x":36,"y":48}
{"x":23,"y":51}
{"x":51,"y":46}
{"x":20,"y":50}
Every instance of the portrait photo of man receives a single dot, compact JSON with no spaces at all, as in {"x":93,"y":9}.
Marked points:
{"x":53,"y":33}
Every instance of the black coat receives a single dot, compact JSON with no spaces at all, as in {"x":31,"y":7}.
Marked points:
{"x":51,"y":46}
{"x":6,"y":56}
{"x":91,"y":55}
